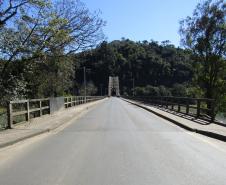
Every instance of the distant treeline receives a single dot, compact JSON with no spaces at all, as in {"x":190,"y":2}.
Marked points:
{"x":154,"y":69}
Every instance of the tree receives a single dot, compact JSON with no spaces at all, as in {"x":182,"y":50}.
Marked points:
{"x":139,"y":91}
{"x":164,"y":91}
{"x":10,"y":8}
{"x":148,"y":63}
{"x":205,"y":34}
{"x":46,"y":35}
{"x":151,"y":91}
{"x":91,"y":89}
{"x":179,"y":90}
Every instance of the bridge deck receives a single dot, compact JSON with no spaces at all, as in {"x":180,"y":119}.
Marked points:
{"x":119,"y":144}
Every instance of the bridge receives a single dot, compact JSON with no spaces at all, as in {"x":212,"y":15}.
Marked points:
{"x":111,"y":140}
{"x":113,"y":87}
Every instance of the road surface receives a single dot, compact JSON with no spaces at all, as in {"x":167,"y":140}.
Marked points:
{"x":115,"y":144}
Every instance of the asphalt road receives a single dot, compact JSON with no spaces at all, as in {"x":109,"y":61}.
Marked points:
{"x":115,"y":144}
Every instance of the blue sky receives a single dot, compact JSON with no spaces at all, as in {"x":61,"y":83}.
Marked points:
{"x":143,"y":19}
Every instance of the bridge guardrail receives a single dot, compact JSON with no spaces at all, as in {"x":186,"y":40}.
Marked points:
{"x":201,"y":108}
{"x":24,"y":110}
{"x":72,"y":101}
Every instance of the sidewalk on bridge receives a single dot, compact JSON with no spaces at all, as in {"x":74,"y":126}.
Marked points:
{"x":211,"y":130}
{"x":43,"y":124}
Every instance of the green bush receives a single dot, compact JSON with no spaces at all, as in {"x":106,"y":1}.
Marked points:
{"x":163,"y":91}
{"x":139,"y":91}
{"x":152,"y":91}
{"x":179,"y":90}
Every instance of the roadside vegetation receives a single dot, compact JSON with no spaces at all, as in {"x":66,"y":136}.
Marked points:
{"x":37,"y":40}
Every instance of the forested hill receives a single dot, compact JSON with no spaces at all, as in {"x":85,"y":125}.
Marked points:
{"x":155,"y":68}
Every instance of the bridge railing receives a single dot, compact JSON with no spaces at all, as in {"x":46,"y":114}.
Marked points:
{"x":24,"y":110}
{"x":72,"y":101}
{"x":202,"y":108}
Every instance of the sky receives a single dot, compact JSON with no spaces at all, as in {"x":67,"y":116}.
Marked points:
{"x":140,"y":20}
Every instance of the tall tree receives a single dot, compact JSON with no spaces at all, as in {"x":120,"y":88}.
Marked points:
{"x":10,"y":8}
{"x":205,"y":34}
{"x":44,"y":35}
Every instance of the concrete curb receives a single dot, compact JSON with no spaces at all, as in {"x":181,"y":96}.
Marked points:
{"x":23,"y":138}
{"x":6,"y":144}
{"x":202,"y":132}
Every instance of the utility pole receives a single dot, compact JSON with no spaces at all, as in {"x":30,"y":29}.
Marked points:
{"x":84,"y":73}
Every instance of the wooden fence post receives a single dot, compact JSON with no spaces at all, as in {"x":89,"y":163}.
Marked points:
{"x":161,"y":103}
{"x":40,"y":106}
{"x":76,"y":100}
{"x":178,"y":108}
{"x":167,"y":103}
{"x":10,"y":116}
{"x":198,"y":108}
{"x":28,"y":111}
{"x":212,"y":111}
{"x":187,"y":106}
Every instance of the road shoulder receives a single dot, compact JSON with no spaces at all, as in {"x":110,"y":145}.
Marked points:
{"x":43,"y":124}
{"x":211,"y":130}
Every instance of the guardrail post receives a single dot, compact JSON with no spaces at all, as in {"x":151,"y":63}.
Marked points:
{"x":40,"y":106}
{"x":10,"y":116}
{"x":178,"y":105}
{"x":178,"y":109}
{"x":161,"y":103}
{"x":74,"y":100}
{"x":171,"y":103}
{"x":187,"y":106}
{"x":212,"y":111}
{"x":198,"y":108}
{"x":66,"y":102}
{"x":167,"y":103}
{"x":172,"y":106}
{"x":28,"y":111}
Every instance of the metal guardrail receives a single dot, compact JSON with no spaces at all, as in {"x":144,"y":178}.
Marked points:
{"x":202,"y":108}
{"x":77,"y":100}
